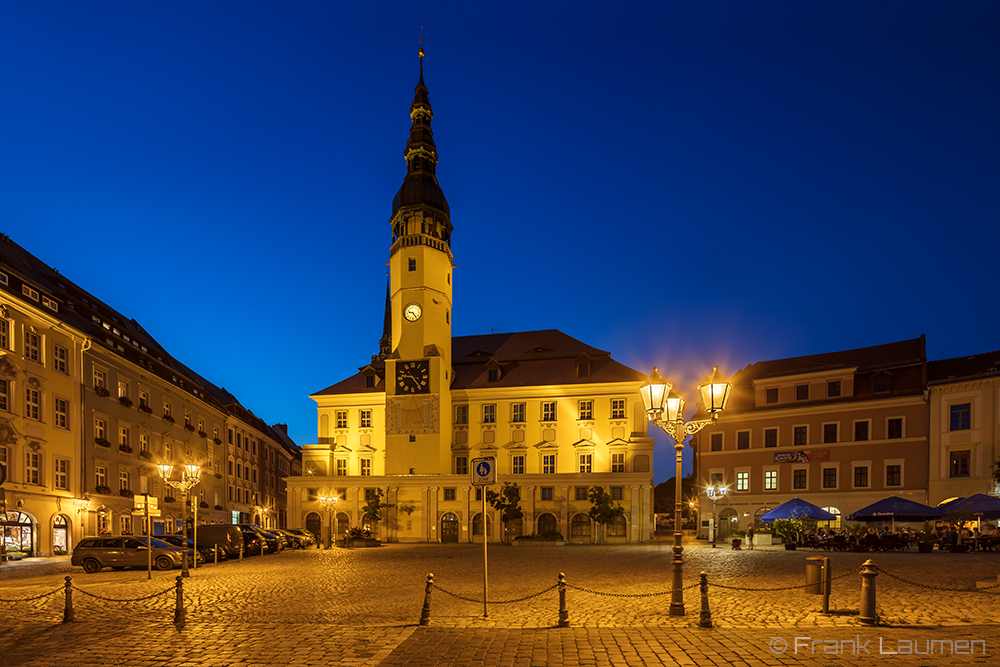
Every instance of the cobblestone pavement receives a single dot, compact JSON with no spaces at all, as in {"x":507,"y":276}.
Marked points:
{"x":355,"y":607}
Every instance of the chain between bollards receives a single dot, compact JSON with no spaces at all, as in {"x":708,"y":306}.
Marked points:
{"x":425,"y":613}
{"x":179,"y":613}
{"x":563,"y":611}
{"x":68,"y":614}
{"x":706,"y":613}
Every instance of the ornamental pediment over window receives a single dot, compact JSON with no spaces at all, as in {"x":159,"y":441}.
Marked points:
{"x":584,"y":444}
{"x":546,"y":444}
{"x":617,"y":443}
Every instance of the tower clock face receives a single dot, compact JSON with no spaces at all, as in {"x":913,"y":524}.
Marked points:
{"x":412,"y":312}
{"x":413,"y":377}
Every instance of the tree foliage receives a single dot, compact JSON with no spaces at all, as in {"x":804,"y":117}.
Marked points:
{"x":603,"y":510}
{"x":507,"y":502}
{"x":373,"y":508}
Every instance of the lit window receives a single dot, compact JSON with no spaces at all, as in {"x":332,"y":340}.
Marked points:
{"x":50,"y":303}
{"x":770,"y":480}
{"x":742,"y":481}
{"x":29,"y":292}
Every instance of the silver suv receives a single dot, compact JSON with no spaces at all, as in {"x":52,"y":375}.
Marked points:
{"x":95,"y":553}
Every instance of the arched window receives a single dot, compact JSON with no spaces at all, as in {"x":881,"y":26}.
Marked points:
{"x":619,"y":528}
{"x":580,"y":526}
{"x":477,"y":525}
{"x":835,"y":523}
{"x":547,"y":524}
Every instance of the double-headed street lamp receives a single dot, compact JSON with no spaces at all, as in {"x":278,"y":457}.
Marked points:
{"x":665,"y":407}
{"x":329,"y":503}
{"x":715,"y":493}
{"x":190,"y":476}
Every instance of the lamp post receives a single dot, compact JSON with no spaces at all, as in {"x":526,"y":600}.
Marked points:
{"x":190,"y":476}
{"x":715,"y":493}
{"x":329,"y":503}
{"x":665,"y":408}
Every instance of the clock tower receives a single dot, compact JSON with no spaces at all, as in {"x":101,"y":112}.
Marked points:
{"x":418,"y":369}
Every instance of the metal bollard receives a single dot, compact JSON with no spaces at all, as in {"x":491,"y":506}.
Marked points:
{"x":563,"y":611}
{"x":179,"y":613}
{"x":868,"y":574}
{"x":706,"y":613}
{"x":241,"y":552}
{"x":68,"y":614}
{"x":216,"y":551}
{"x":425,"y":613}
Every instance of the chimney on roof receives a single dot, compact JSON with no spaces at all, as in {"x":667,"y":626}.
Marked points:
{"x":282,"y":427}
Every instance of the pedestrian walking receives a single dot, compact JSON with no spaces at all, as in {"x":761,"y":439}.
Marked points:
{"x":750,"y":538}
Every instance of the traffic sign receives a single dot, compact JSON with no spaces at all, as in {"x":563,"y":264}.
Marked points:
{"x":484,"y":471}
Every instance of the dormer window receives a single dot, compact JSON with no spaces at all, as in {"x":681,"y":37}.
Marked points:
{"x":494,"y":374}
{"x":369,"y":381}
{"x":880,"y":385}
{"x":583,"y":369}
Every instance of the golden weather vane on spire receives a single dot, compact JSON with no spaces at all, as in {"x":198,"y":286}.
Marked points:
{"x":421,"y":49}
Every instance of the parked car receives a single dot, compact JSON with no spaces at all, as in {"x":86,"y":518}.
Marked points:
{"x":301,"y":532}
{"x":119,"y":552}
{"x":206,"y":551}
{"x":254,"y":543}
{"x":274,"y":544}
{"x":293,"y":541}
{"x":228,"y":537}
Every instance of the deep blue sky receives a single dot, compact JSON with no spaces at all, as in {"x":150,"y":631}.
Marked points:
{"x":681,"y":184}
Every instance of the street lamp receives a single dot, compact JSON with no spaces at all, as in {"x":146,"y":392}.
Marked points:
{"x":329,"y":504}
{"x":190,"y":476}
{"x":665,"y":408}
{"x":715,"y":493}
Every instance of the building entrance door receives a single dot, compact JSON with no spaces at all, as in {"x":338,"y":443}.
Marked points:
{"x":314,"y":525}
{"x":449,"y":528}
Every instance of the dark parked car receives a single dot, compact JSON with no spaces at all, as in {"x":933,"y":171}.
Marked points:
{"x":253,"y":542}
{"x":228,"y":537}
{"x":95,"y":553}
{"x":206,"y":552}
{"x":293,"y":541}
{"x":305,"y":534}
{"x":274,"y":544}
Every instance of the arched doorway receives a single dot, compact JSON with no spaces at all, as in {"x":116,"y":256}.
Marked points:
{"x":728,"y":523}
{"x":547,"y":524}
{"x":314,"y":524}
{"x":477,"y":527}
{"x":60,"y":535}
{"x":18,"y":534}
{"x":835,"y":523}
{"x":343,"y":523}
{"x":579,"y":529}
{"x":758,"y":525}
{"x":514,"y":529}
{"x":618,"y":531}
{"x":449,"y":528}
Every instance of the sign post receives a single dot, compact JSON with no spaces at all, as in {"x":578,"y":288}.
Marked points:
{"x":148,"y":505}
{"x":484,"y":473}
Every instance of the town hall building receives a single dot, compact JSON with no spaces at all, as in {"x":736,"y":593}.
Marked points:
{"x":558,"y":415}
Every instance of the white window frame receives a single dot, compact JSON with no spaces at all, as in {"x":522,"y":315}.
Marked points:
{"x":101,"y":476}
{"x":742,"y":475}
{"x":32,"y":468}
{"x":586,"y":461}
{"x":60,"y":416}
{"x":549,"y":464}
{"x":60,"y":359}
{"x":461,"y":415}
{"x":365,"y":418}
{"x":32,"y":404}
{"x":617,"y":461}
{"x":5,"y":394}
{"x":340,"y":467}
{"x":366,"y":466}
{"x":517,"y":464}
{"x":549,"y":411}
{"x":32,"y":346}
{"x":340,"y":419}
{"x":5,"y":329}
{"x":586,"y":409}
{"x":489,"y":413}
{"x":771,"y":475}
{"x":518,"y":413}
{"x":29,"y":292}
{"x":60,"y":473}
{"x":618,"y":408}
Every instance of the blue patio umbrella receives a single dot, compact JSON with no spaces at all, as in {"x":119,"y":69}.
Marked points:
{"x":980,"y":504}
{"x":896,"y":509}
{"x":796,"y":507}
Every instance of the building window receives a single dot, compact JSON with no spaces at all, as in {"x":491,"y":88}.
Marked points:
{"x":449,"y":494}
{"x":799,"y":479}
{"x":580,"y":493}
{"x":4,"y":395}
{"x":960,"y":463}
{"x":124,"y":483}
{"x":716,"y":442}
{"x":60,"y":359}
{"x":743,"y":440}
{"x":618,"y":462}
{"x":617,"y":492}
{"x":771,"y":395}
{"x":493,"y":375}
{"x":490,"y":413}
{"x":461,"y":465}
{"x":829,"y":478}
{"x":770,"y":437}
{"x":341,"y":419}
{"x":742,"y":481}
{"x":366,"y":467}
{"x":800,"y":435}
{"x":618,"y":408}
{"x":894,"y":428}
{"x":715,"y":479}
{"x":880,"y":386}
{"x":61,"y":478}
{"x":144,"y":447}
{"x":861,"y":476}
{"x":801,"y":392}
{"x":101,"y":476}
{"x":860,"y":431}
{"x":829,"y":433}
{"x":833,"y":389}
{"x":549,"y":411}
{"x":546,"y":493}
{"x":517,"y":464}
{"x":369,"y":381}
{"x":31,"y":468}
{"x":32,"y":346}
{"x":168,"y":410}
{"x":586,"y":462}
{"x":548,"y":464}
{"x":33,"y":404}
{"x":461,"y":414}
{"x":29,"y":292}
{"x":517,"y":412}
{"x":961,"y":417}
{"x":412,"y":264}
{"x":122,"y":389}
{"x":144,"y":399}
{"x":4,"y":334}
{"x":365,"y":417}
{"x":586,"y":410}
{"x":100,"y":379}
{"x":341,"y":467}
{"x":770,"y":480}
{"x":123,"y":436}
{"x":100,"y":428}
{"x":893,"y":475}
{"x":61,"y":413}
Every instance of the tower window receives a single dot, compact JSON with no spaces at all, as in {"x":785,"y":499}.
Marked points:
{"x":413,"y":264}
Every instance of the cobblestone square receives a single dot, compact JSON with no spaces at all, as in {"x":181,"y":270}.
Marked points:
{"x":355,"y":607}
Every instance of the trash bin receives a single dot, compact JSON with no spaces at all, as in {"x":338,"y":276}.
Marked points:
{"x":814,"y":575}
